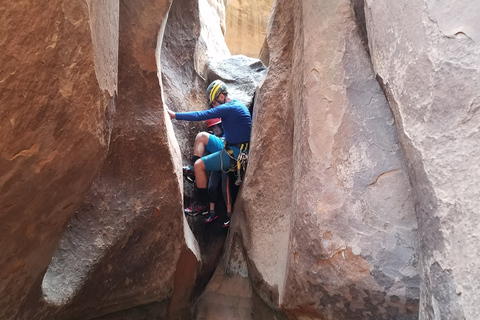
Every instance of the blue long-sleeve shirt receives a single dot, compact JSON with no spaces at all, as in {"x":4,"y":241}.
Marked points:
{"x":236,"y":120}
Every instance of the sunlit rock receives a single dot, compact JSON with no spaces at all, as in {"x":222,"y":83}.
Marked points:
{"x":129,"y":243}
{"x":246,"y":25}
{"x":57,"y":100}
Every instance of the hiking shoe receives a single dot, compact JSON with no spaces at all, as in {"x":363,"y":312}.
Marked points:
{"x":188,"y":173}
{"x":211,"y":216}
{"x":196,"y":208}
{"x":226,"y":223}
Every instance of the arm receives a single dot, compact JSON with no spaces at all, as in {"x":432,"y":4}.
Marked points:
{"x":217,"y":112}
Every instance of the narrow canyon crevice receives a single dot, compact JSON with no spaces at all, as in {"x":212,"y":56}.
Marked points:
{"x":360,"y":196}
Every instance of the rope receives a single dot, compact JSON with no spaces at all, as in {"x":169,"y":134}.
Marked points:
{"x":241,"y":160}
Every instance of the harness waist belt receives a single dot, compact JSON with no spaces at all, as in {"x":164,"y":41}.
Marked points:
{"x":238,"y":145}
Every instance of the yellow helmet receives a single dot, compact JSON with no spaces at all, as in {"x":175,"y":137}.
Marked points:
{"x":215,"y":89}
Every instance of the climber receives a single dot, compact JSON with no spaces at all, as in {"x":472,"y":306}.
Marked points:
{"x":237,"y":123}
{"x":218,"y":182}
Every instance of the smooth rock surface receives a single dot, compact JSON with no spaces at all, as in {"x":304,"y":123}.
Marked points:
{"x":187,"y":28}
{"x":229,"y":294}
{"x":58,"y":75}
{"x":427,"y":56}
{"x":246,"y":26}
{"x":129,"y":243}
{"x":333,"y":236}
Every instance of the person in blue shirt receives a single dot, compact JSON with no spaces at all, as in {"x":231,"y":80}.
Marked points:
{"x":237,"y":125}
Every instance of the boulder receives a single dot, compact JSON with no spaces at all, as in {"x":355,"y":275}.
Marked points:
{"x":241,"y":74}
{"x":57,"y":100}
{"x":427,"y":56}
{"x":333,"y":236}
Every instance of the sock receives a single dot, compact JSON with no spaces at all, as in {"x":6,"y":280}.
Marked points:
{"x":195,"y":158}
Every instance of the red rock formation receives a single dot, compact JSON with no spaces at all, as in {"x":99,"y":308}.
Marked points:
{"x":246,"y":26}
{"x":333,"y":235}
{"x":129,"y":244}
{"x":57,"y":99}
{"x":324,"y":227}
{"x":428,"y":57}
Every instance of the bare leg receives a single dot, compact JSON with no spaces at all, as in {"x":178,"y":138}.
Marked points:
{"x":201,"y":141}
{"x":200,"y":174}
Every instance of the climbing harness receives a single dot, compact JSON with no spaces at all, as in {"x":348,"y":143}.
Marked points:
{"x":237,"y":165}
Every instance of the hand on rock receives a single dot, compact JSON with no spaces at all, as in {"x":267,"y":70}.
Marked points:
{"x":170,"y":113}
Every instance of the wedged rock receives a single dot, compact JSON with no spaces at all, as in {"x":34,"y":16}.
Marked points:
{"x":246,"y":26}
{"x":57,"y":99}
{"x":427,"y":55}
{"x":129,"y":243}
{"x":241,"y":74}
{"x":333,"y":236}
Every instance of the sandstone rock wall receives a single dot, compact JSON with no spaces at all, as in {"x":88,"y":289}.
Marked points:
{"x":57,"y":99}
{"x":427,"y":55}
{"x":334,"y":234}
{"x":185,"y":56}
{"x":246,"y":26}
{"x":325,"y":226}
{"x":129,"y":243}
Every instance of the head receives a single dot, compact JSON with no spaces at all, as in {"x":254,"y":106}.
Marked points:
{"x":215,"y":126}
{"x":217,"y":93}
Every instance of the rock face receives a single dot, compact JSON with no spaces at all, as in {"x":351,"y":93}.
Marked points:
{"x":246,"y":23}
{"x":129,"y":243}
{"x":185,"y":57}
{"x":428,"y":57}
{"x":241,"y":74}
{"x":229,"y":293}
{"x":186,"y":72}
{"x":325,"y":225}
{"x":57,"y":99}
{"x":334,"y":234}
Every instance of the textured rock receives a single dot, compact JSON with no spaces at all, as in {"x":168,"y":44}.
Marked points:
{"x":267,"y":243}
{"x":229,"y":293}
{"x":247,"y":25}
{"x":129,"y":243}
{"x":57,"y":98}
{"x":185,"y":57}
{"x":184,"y":85}
{"x":324,"y":227}
{"x":427,"y":55}
{"x":188,"y":28}
{"x":333,"y":236}
{"x":241,"y":74}
{"x":211,"y":43}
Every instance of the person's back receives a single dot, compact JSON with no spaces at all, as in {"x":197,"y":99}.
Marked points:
{"x":236,"y":120}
